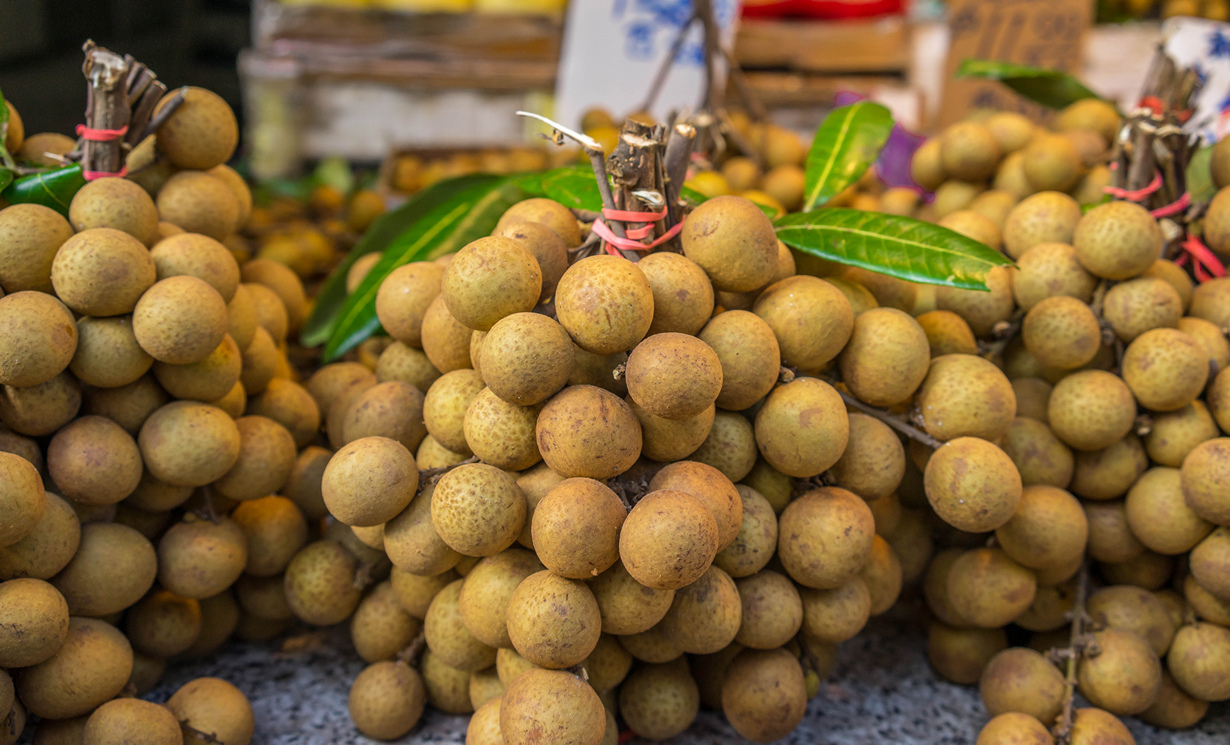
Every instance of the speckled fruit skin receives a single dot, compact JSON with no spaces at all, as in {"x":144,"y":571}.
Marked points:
{"x":489,"y":279}
{"x":38,"y":338}
{"x":733,"y":241}
{"x":587,"y":431}
{"x":802,"y":428}
{"x":551,"y":707}
{"x":668,"y":540}
{"x":824,"y":537}
{"x":674,"y":375}
{"x":605,"y":303}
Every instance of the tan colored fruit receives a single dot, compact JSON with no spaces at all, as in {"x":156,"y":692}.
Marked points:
{"x":545,"y":212}
{"x":118,"y":204}
{"x":180,"y":320}
{"x":547,"y":247}
{"x":733,"y":241}
{"x":490,"y":279}
{"x":535,"y":483}
{"x":284,"y":283}
{"x":954,"y":195}
{"x":33,"y":622}
{"x":1124,"y":677}
{"x":969,"y":151}
{"x":605,"y":303}
{"x":1022,"y":680}
{"x":1117,"y":240}
{"x":1014,"y":728}
{"x":586,"y":431}
{"x":966,"y":396}
{"x":406,"y":364}
{"x":412,"y":543}
{"x":1062,"y":332}
{"x":386,"y":700}
{"x":673,"y":375}
{"x":94,"y":462}
{"x":525,"y":358}
{"x":682,"y":293}
{"x":199,"y":203}
{"x":404,"y":298}
{"x":668,"y":540}
{"x":102,"y":252}
{"x":1158,"y":515}
{"x":883,"y":340}
{"x":275,"y":531}
{"x":835,"y":615}
{"x":1048,"y":529}
{"x":1040,"y":457}
{"x":1142,"y":304}
{"x":1012,"y":131}
{"x":38,"y":338}
{"x":926,"y":167}
{"x":163,"y":625}
{"x":108,"y":355}
{"x":30,"y":235}
{"x":1110,"y":538}
{"x":1198,"y":661}
{"x":625,"y":605}
{"x":1174,"y":708}
{"x":477,"y":509}
{"x":320,"y":583}
{"x":811,"y":319}
{"x":201,"y":559}
{"x":445,"y":406}
{"x":551,"y":707}
{"x":1098,"y":727}
{"x":873,"y":463}
{"x":1208,"y":562}
{"x":960,"y":655}
{"x":1090,"y":114}
{"x":22,"y":498}
{"x":1048,"y":217}
{"x":802,"y":428}
{"x":1052,"y":162}
{"x":825,"y":537}
{"x":660,"y":700}
{"x":90,"y":668}
{"x":576,"y":528}
{"x":1091,"y":409}
{"x":133,"y":722}
{"x":1165,"y":368}
{"x":448,"y":637}
{"x":1133,"y":609}
{"x":1109,"y":473}
{"x":487,"y":590}
{"x":213,"y":707}
{"x":749,"y":355}
{"x":201,"y":134}
{"x":113,"y":568}
{"x":41,"y":409}
{"x":502,"y":434}
{"x":189,"y":444}
{"x":988,"y":589}
{"x":947,"y":333}
{"x":667,"y":440}
{"x":981,"y":310}
{"x":553,"y":622}
{"x":764,"y":696}
{"x":48,"y":547}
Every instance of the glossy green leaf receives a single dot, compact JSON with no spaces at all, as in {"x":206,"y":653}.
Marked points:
{"x":572,"y":186}
{"x":846,"y":144}
{"x":6,"y":178}
{"x":54,"y":189}
{"x":1052,"y":88}
{"x":384,"y":232}
{"x":1200,"y":176}
{"x":446,"y":220}
{"x":6,"y":159}
{"x":900,"y":247}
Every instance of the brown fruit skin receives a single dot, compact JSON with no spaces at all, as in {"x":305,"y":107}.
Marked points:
{"x":668,"y":540}
{"x":22,"y":498}
{"x":526,"y":358}
{"x":102,"y":252}
{"x":682,"y":293}
{"x":94,"y":461}
{"x":551,"y":707}
{"x":41,"y":409}
{"x":711,"y":487}
{"x":960,"y":655}
{"x":38,"y":338}
{"x":1091,"y":409}
{"x":404,"y":297}
{"x":873,"y":463}
{"x":290,"y":405}
{"x":113,"y":568}
{"x":833,"y":616}
{"x":553,"y":622}
{"x":131,"y":721}
{"x":1013,"y":728}
{"x":965,"y":396}
{"x":772,"y":610}
{"x":547,"y":247}
{"x":749,"y":355}
{"x":386,"y":700}
{"x":1062,"y":332}
{"x":1048,"y":529}
{"x":969,"y":151}
{"x":477,"y":509}
{"x":189,"y":444}
{"x":1158,"y":515}
{"x":627,"y":606}
{"x":733,"y":241}
{"x":199,"y":203}
{"x":1050,"y":270}
{"x":445,"y":340}
{"x":667,"y":440}
{"x":163,"y":625}
{"x":201,"y":134}
{"x":48,"y":547}
{"x":1046,"y":217}
{"x":1209,"y":561}
{"x":320,"y":583}
{"x":1133,"y":609}
{"x":802,"y":429}
{"x":588,"y":432}
{"x":445,"y":406}
{"x":981,"y":310}
{"x":1125,"y":677}
{"x":91,"y":667}
{"x":576,"y":528}
{"x":486,"y":592}
{"x":412,"y":543}
{"x":811,"y":319}
{"x":947,"y":333}
{"x":1117,"y":240}
{"x":33,"y":622}
{"x":659,"y":700}
{"x":275,"y":531}
{"x":886,"y":357}
{"x":824,"y":537}
{"x":1177,"y":433}
{"x":1022,"y":680}
{"x":1174,"y":708}
{"x":605,"y":303}
{"x":764,"y":696}
{"x":447,"y":636}
{"x":369,"y":481}
{"x":1204,"y":474}
{"x":674,"y":376}
{"x":489,"y":279}
{"x":201,"y":559}
{"x":988,"y":589}
{"x":30,"y":235}
{"x":546,"y":212}
{"x":215,"y":707}
{"x":1038,"y":454}
{"x":1138,"y":305}
{"x":1165,"y":368}
{"x":180,"y":320}
{"x":118,"y":204}
{"x":972,"y":484}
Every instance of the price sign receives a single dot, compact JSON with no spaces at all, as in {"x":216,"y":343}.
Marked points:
{"x":1042,"y":33}
{"x":613,"y":48}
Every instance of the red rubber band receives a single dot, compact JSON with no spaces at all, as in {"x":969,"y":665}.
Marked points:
{"x":101,"y":135}
{"x":93,"y":175}
{"x":613,"y":241}
{"x":1135,"y":196}
{"x":628,"y":216}
{"x":1175,"y":207}
{"x":1205,"y":263}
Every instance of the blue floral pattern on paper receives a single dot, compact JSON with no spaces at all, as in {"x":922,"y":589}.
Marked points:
{"x":649,"y":26}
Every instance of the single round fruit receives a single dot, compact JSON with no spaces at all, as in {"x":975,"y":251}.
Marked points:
{"x":972,"y":484}
{"x":733,"y":241}
{"x":802,"y":428}
{"x":605,"y":303}
{"x":668,"y":540}
{"x":1117,"y":240}
{"x":588,"y":432}
{"x":38,"y":338}
{"x":180,"y":320}
{"x":824,"y":537}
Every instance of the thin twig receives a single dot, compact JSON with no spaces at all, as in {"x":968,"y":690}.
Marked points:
{"x":432,"y":475}
{"x":159,"y":119}
{"x":892,"y":420}
{"x":410,"y":655}
{"x":1002,"y":337}
{"x":659,"y":77}
{"x":1078,"y":644}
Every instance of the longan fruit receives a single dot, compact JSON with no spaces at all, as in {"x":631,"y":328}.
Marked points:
{"x":553,"y":622}
{"x":290,"y":405}
{"x":965,"y":396}
{"x":1117,"y":240}
{"x":1133,"y":609}
{"x":1124,"y":677}
{"x":534,"y":483}
{"x":882,"y":575}
{"x":113,"y":568}
{"x":988,"y":589}
{"x":34,"y":622}
{"x":115,"y":204}
{"x":445,"y":406}
{"x":163,"y":624}
{"x":551,"y":707}
{"x":1174,"y":708}
{"x":477,"y":509}
{"x":502,"y":434}
{"x":586,"y":431}
{"x":199,"y":203}
{"x":730,"y":445}
{"x":263,"y":600}
{"x":1014,"y":728}
{"x":748,"y":353}
{"x":884,"y":340}
{"x":912,"y":543}
{"x":576,"y":528}
{"x":1050,"y":270}
{"x":1040,"y":457}
{"x":711,"y":487}
{"x":386,"y":700}
{"x":1052,"y":162}
{"x":198,"y":256}
{"x":412,"y":543}
{"x":973,"y":225}
{"x":320,"y":583}
{"x":682,"y":293}
{"x":213,"y":707}
{"x":407,"y":364}
{"x":48,"y":547}
{"x":275,"y":530}
{"x":449,"y":638}
{"x":668,"y":540}
{"x":304,"y":487}
{"x":861,"y":299}
{"x":546,"y":212}
{"x":38,"y":338}
{"x":1046,"y":217}
{"x":674,"y":375}
{"x":764,"y":696}
{"x":947,"y":333}
{"x":960,"y":655}
{"x":1048,"y":529}
{"x":1208,"y":562}
{"x":625,"y":605}
{"x":873,"y":463}
{"x":1197,"y":661}
{"x":1062,"y":332}
{"x":1139,"y":305}
{"x":131,"y":721}
{"x":1110,"y":472}
{"x":485,"y":594}
{"x":772,"y":610}
{"x":1165,"y":369}
{"x":180,"y":320}
{"x":811,"y":319}
{"x":1091,"y":409}
{"x":802,"y":428}
{"x":1110,"y":538}
{"x":41,"y":409}
{"x":824,"y":537}
{"x":1147,"y":569}
{"x":526,"y":358}
{"x":666,"y":440}
{"x":835,"y":615}
{"x":1203,"y":477}
{"x":605,"y":303}
{"x":489,"y":279}
{"x":659,"y":701}
{"x":608,"y":665}
{"x":733,"y":241}
{"x":22,"y":498}
{"x":1176,"y":433}
{"x":969,"y":150}
{"x":108,"y":355}
{"x":199,"y":559}
{"x":185,"y":443}
{"x":484,"y":686}
{"x":201,"y":134}
{"x":89,"y":668}
{"x":926,"y":166}
{"x":270,"y":315}
{"x":392,"y":410}
{"x":972,"y":484}
{"x":284,"y":283}
{"x":1093,"y":726}
{"x":30,"y":235}
{"x":1022,"y":680}
{"x":706,"y":615}
{"x":380,"y":628}
{"x":369,"y":481}
{"x":94,"y":461}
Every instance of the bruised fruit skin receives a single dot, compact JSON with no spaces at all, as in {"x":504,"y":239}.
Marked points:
{"x":588,"y":432}
{"x":802,"y":428}
{"x":673,"y":375}
{"x":733,"y":241}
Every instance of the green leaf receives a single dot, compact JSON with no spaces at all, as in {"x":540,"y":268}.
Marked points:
{"x":54,"y":189}
{"x":384,"y":232}
{"x":1200,"y":176}
{"x":6,"y":177}
{"x":848,"y":141}
{"x":443,"y":224}
{"x":900,"y":247}
{"x":572,"y":186}
{"x":5,"y":157}
{"x":1052,"y":88}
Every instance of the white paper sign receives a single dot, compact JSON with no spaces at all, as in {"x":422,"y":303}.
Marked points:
{"x":613,"y":48}
{"x":1205,"y":46}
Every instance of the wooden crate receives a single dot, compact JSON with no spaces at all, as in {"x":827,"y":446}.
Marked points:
{"x":879,"y":45}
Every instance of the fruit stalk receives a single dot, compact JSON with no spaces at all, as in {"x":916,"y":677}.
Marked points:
{"x":106,"y":107}
{"x":1077,"y":644}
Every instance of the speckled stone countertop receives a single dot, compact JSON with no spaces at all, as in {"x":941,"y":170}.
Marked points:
{"x":882,"y":691}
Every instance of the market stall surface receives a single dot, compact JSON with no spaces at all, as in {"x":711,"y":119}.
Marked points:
{"x":882,"y":691}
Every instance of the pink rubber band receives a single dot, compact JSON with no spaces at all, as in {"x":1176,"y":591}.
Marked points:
{"x":93,"y":175}
{"x":1181,"y":204}
{"x":629,"y":216}
{"x":101,"y":135}
{"x":1205,"y":263}
{"x":1138,"y":195}
{"x":613,"y":241}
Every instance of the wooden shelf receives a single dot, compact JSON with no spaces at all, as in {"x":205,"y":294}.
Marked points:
{"x":880,"y":45}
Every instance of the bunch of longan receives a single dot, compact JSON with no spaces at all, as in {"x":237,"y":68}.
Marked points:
{"x":150,"y":421}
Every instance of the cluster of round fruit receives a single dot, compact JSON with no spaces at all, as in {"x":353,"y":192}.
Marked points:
{"x":146,"y":393}
{"x":1095,"y":437}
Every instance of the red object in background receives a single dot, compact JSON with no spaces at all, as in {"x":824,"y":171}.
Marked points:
{"x":821,"y":8}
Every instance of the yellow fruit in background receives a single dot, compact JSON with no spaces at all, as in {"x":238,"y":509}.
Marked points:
{"x":710,"y":183}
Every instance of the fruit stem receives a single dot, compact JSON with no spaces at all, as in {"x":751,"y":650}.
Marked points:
{"x":1003,"y":336}
{"x":892,"y":420}
{"x":432,"y":475}
{"x":410,"y":655}
{"x":1077,"y":643}
{"x":159,"y":119}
